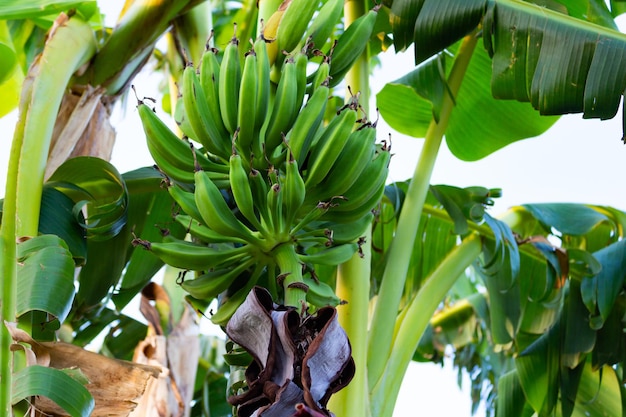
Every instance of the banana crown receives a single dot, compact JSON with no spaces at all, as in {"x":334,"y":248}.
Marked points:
{"x":271,"y":168}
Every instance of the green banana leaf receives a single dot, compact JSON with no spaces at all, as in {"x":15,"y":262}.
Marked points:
{"x":123,"y":337}
{"x":479,"y":124}
{"x":618,"y":7}
{"x":66,"y":391}
{"x":561,"y":337}
{"x":567,"y":218}
{"x":579,"y":338}
{"x":602,"y":290}
{"x":57,"y":217}
{"x":46,"y":276}
{"x":586,"y":392}
{"x":437,"y":238}
{"x":96,"y":185}
{"x":148,"y":210}
{"x":28,"y":9}
{"x":599,"y":393}
{"x":610,"y":346}
{"x":572,"y":66}
{"x":8,"y":57}
{"x":538,"y":368}
{"x":511,"y":401}
{"x":153,"y":219}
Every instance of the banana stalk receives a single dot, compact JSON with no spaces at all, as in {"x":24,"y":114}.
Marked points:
{"x":291,"y":275}
{"x":70,"y":45}
{"x":381,"y":334}
{"x":353,"y":277}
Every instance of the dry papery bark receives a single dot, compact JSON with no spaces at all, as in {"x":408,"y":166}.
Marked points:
{"x":115,"y":385}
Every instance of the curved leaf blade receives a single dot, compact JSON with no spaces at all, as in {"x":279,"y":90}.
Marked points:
{"x":402,"y":18}
{"x":28,"y":9}
{"x":567,"y":218}
{"x":598,"y":393}
{"x":45,"y":276}
{"x":603,"y":289}
{"x":96,"y":184}
{"x":479,"y":124}
{"x":55,"y":384}
{"x":404,"y":109}
{"x":566,"y":65}
{"x":442,"y":23}
{"x":57,"y":217}
{"x":538,"y":370}
{"x":511,"y":400}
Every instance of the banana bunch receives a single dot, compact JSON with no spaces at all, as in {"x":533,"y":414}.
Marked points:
{"x":267,"y":169}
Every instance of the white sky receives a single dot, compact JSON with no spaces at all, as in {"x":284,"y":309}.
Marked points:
{"x":575,"y":161}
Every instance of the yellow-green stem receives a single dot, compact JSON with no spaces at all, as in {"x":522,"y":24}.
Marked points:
{"x":353,"y":287}
{"x":353,"y":277}
{"x":418,"y":314}
{"x":357,"y":79}
{"x":399,"y":255}
{"x":291,"y":275}
{"x":8,"y":257}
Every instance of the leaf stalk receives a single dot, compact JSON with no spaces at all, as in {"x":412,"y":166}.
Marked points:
{"x":399,"y":255}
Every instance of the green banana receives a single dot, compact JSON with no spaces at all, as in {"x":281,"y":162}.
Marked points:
{"x":171,"y":154}
{"x":210,"y":80}
{"x":324,"y":23}
{"x":307,"y":123}
{"x":180,"y":117}
{"x":294,"y":191}
{"x":186,"y":201}
{"x":370,"y":184}
{"x":351,"y":162}
{"x":215,"y":212}
{"x":285,"y":107}
{"x":312,"y":215}
{"x":301,"y":61}
{"x":294,"y":23}
{"x":242,"y":191}
{"x":191,"y":256}
{"x":351,"y":45}
{"x":199,"y":115}
{"x":198,"y":230}
{"x":230,"y":79}
{"x":364,"y":195}
{"x":347,"y":232}
{"x":247,"y":105}
{"x":210,"y":284}
{"x":263,"y":91}
{"x":274,"y":203}
{"x":259,"y":195}
{"x":320,"y":294}
{"x":327,"y":149}
{"x":321,"y":76}
{"x":228,"y":308}
{"x":334,"y":255}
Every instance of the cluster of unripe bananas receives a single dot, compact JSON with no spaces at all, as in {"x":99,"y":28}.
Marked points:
{"x":270,"y":170}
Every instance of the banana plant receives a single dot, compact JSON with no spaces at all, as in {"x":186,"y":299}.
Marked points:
{"x":260,"y":195}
